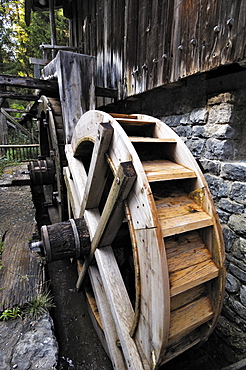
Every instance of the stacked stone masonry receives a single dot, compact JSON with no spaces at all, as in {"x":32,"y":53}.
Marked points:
{"x":215,"y":134}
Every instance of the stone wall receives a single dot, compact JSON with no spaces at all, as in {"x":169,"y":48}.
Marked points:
{"x":215,"y":134}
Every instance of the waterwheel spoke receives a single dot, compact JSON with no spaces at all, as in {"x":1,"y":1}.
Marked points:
{"x":113,"y":213}
{"x":97,"y":175}
{"x":120,"y":304}
{"x":107,"y":319}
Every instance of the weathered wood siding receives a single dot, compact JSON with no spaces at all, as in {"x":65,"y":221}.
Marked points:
{"x":140,"y":45}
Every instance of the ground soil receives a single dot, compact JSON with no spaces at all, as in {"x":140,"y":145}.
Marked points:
{"x":79,"y":346}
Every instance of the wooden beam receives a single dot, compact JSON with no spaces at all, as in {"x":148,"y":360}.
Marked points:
{"x":7,"y":146}
{"x":40,"y":62}
{"x":23,"y":270}
{"x":109,"y":327}
{"x":120,"y":305}
{"x":97,"y":175}
{"x":106,"y":92}
{"x":12,"y":95}
{"x":28,"y":82}
{"x":113,"y":213}
{"x":14,"y":110}
{"x":59,"y":47}
{"x":78,"y":173}
{"x":15,"y":123}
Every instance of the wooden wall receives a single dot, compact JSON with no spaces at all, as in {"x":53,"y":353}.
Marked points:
{"x":142,"y":44}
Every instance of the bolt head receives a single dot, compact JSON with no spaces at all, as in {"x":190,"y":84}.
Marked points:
{"x":217,"y":29}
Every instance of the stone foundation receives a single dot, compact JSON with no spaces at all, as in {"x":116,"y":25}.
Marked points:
{"x":215,"y":136}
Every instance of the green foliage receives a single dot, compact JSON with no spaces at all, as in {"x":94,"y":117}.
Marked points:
{"x":4,"y":162}
{"x":1,"y":248}
{"x":19,"y":42}
{"x":11,"y":314}
{"x":40,"y":305}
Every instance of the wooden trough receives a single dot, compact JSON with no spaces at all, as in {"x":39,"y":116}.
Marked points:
{"x":155,"y":262}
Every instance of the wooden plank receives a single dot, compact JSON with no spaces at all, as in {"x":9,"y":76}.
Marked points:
{"x":73,"y":105}
{"x":22,"y":270}
{"x":14,"y":110}
{"x":20,"y":127}
{"x":106,"y":317}
{"x":116,"y":202}
{"x":134,"y":122}
{"x":78,"y":173}
{"x":19,"y":146}
{"x":17,"y":96}
{"x":106,"y":92}
{"x":189,"y":317}
{"x":187,"y":297}
{"x":113,"y":213}
{"x":184,"y":344}
{"x":73,"y":198}
{"x":188,"y":278}
{"x":59,"y":47}
{"x":185,"y":250}
{"x":179,"y":214}
{"x":139,"y":139}
{"x":121,"y":115}
{"x":161,"y":169}
{"x":41,"y":62}
{"x":97,"y":175}
{"x":185,"y":223}
{"x":120,"y":304}
{"x":29,"y":82}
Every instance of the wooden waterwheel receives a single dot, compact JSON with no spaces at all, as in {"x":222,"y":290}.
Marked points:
{"x":47,"y":171}
{"x":156,"y":259}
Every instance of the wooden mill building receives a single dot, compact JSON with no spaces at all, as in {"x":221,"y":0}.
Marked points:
{"x":183,"y":63}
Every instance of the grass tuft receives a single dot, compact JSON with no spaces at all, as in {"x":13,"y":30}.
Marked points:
{"x":40,"y":305}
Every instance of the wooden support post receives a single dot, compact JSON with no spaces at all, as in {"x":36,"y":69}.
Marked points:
{"x":97,"y":175}
{"x":50,"y":86}
{"x":113,"y":212}
{"x":52,"y":26}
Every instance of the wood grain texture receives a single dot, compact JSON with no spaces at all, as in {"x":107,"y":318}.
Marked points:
{"x":97,"y":175}
{"x":182,"y":322}
{"x":179,"y":213}
{"x":143,"y":45}
{"x":159,"y":170}
{"x":106,"y":317}
{"x":22,"y":273}
{"x":192,"y":276}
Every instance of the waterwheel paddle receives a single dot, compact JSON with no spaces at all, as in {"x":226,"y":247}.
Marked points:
{"x":160,"y":292}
